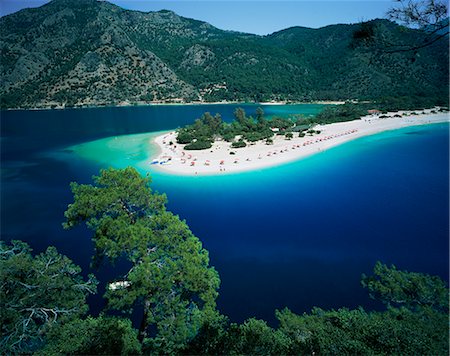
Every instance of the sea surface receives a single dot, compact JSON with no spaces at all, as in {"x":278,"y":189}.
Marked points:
{"x":297,"y":235}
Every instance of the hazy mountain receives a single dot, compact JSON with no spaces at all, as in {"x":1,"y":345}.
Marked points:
{"x":89,"y":52}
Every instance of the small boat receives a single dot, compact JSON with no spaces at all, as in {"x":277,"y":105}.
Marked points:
{"x":155,"y":161}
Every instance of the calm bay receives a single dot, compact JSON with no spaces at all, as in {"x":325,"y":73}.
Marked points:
{"x":297,"y":235}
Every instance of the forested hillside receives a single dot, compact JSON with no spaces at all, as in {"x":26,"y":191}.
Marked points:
{"x":87,"y":52}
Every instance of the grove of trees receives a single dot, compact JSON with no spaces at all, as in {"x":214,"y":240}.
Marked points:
{"x":205,"y":130}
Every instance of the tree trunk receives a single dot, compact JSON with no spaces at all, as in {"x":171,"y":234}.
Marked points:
{"x":143,"y":327}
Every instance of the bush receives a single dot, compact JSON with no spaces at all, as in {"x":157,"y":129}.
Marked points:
{"x":238,"y":144}
{"x":228,"y":136}
{"x":289,"y":135}
{"x":257,"y":136}
{"x":198,"y":145}
{"x":184,"y":137}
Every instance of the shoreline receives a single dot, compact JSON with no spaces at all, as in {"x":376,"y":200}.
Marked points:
{"x":128,"y":105}
{"x":173,"y":159}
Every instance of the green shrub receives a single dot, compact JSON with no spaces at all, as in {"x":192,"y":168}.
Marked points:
{"x":228,"y":136}
{"x":198,"y":145}
{"x":238,"y":144}
{"x":184,"y":137}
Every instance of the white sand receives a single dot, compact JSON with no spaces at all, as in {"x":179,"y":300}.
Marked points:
{"x":218,"y":160}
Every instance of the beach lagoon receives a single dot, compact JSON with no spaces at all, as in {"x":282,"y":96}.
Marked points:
{"x":297,"y":235}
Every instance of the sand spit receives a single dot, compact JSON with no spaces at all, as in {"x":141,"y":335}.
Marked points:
{"x":222,"y":159}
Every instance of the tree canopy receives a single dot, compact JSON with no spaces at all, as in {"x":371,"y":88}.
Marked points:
{"x":207,"y":129}
{"x":38,"y":293}
{"x":170,"y":275}
{"x":93,"y":336}
{"x":408,"y":289}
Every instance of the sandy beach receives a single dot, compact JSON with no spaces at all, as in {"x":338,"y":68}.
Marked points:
{"x":222,"y":159}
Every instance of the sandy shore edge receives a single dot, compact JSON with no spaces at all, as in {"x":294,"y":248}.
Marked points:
{"x":222,"y":159}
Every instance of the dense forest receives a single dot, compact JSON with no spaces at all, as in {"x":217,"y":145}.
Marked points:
{"x":86,"y":52}
{"x":173,"y":288}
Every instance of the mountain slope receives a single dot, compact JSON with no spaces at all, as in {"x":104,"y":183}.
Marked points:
{"x":94,"y":53}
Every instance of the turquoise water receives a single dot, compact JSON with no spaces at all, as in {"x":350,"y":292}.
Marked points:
{"x":328,"y":217}
{"x":297,"y":235}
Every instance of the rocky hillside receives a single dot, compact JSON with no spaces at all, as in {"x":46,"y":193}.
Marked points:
{"x":87,"y":52}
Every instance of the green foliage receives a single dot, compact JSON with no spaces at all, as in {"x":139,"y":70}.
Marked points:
{"x":170,"y":276}
{"x":339,"y":113}
{"x":228,"y":136}
{"x":238,"y":144}
{"x":393,"y":332}
{"x":364,"y":35}
{"x":37,"y":293}
{"x":408,"y":289}
{"x":281,"y":123}
{"x":240,"y":116}
{"x":93,"y":336}
{"x":198,"y":145}
{"x":199,"y":135}
{"x":289,"y":135}
{"x":411,"y":102}
{"x":421,"y":328}
{"x":352,"y":111}
{"x":258,"y":136}
{"x":255,"y":337}
{"x":184,"y":136}
{"x":211,"y":338}
{"x":208,"y":128}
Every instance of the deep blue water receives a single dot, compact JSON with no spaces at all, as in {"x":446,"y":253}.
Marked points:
{"x":298,"y":235}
